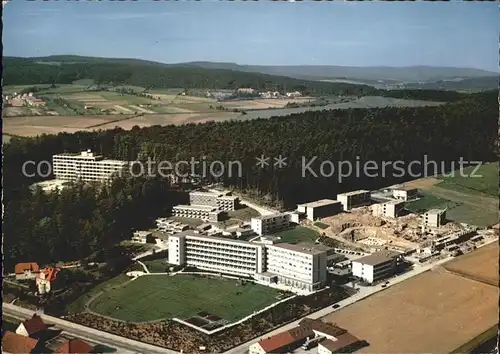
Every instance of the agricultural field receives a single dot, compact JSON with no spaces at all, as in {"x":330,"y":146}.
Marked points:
{"x":471,"y":200}
{"x":435,"y":312}
{"x":480,"y":265}
{"x":155,"y":297}
{"x":298,"y":235}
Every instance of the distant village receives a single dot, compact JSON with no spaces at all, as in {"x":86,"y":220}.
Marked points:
{"x":22,"y":99}
{"x":246,"y":92}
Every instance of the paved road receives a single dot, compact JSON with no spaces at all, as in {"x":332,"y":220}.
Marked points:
{"x":363,"y":292}
{"x":123,"y":345}
{"x":260,"y":209}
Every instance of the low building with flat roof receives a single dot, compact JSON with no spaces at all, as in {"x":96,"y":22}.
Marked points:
{"x":434,"y":218}
{"x":405,"y":193}
{"x":376,"y":266}
{"x":320,"y":208}
{"x":391,"y":209}
{"x":266,"y":224}
{"x":203,"y":212}
{"x":354,"y":199}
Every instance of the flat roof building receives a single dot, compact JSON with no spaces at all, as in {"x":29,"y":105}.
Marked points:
{"x":376,"y":266}
{"x":296,"y":266}
{"x":391,"y":209}
{"x":86,"y":166}
{"x":223,"y":201}
{"x":265,"y":224}
{"x":203,"y":212}
{"x":434,"y":218}
{"x":404,"y":193}
{"x":354,"y":199}
{"x":216,"y":254}
{"x":320,"y":208}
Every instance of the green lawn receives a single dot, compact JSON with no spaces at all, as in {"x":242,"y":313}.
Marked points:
{"x":244,"y":214}
{"x":156,"y":297}
{"x":79,"y":304}
{"x":429,"y":201}
{"x":298,"y":235}
{"x":487,"y":183}
{"x":156,"y":266}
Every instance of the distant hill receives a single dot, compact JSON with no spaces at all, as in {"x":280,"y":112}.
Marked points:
{"x":382,"y":73}
{"x":66,"y":69}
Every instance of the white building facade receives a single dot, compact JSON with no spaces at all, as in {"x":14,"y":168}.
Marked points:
{"x":222,"y":201}
{"x":434,"y":218}
{"x":86,"y":167}
{"x":391,"y":209}
{"x":265,"y":224}
{"x":354,"y":199}
{"x":203,"y":212}
{"x":216,"y":254}
{"x":376,"y":266}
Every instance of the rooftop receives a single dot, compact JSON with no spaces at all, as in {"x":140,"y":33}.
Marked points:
{"x":20,"y":268}
{"x":378,"y":257}
{"x":342,"y":341}
{"x":322,"y":327}
{"x":265,"y":217}
{"x":195,"y":207}
{"x":435,"y":211}
{"x":299,"y":248}
{"x":404,"y":188}
{"x":74,"y":346}
{"x":395,"y":202}
{"x":283,"y":339}
{"x":16,"y":343}
{"x":321,"y":202}
{"x":361,"y":191}
{"x":34,"y":325}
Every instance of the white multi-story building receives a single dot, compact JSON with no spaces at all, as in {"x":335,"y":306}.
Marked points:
{"x":216,"y":254}
{"x":434,"y":218}
{"x":203,"y":212}
{"x":223,"y":201}
{"x":87,"y":167}
{"x":404,"y":193}
{"x":354,"y":199}
{"x":390,"y":209}
{"x":296,"y":266}
{"x":376,"y":266}
{"x":265,"y":224}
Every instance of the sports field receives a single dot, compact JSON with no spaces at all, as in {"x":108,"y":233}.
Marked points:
{"x":155,"y":297}
{"x":298,"y":235}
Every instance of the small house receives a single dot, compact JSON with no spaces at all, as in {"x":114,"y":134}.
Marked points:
{"x":33,"y":328}
{"x":26,"y":271}
{"x":15,"y":343}
{"x":74,"y":346}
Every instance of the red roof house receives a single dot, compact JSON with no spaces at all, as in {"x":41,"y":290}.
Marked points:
{"x":26,"y":270}
{"x":13,"y":343}
{"x":32,"y":327}
{"x":74,"y":346}
{"x":283,"y":342}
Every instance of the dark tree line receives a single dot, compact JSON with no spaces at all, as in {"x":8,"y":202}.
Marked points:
{"x":21,"y":71}
{"x":81,"y":220}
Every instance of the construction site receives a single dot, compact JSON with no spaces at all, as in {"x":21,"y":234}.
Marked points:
{"x":408,"y":233}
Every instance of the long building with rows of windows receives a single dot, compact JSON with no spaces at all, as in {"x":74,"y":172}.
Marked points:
{"x":295,"y":266}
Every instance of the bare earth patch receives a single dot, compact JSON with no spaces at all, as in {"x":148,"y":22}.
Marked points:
{"x":431,"y":313}
{"x":481,"y":265}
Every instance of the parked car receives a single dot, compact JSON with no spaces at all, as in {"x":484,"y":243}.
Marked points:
{"x":336,"y":306}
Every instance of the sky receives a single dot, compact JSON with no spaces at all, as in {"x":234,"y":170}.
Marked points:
{"x":457,"y":34}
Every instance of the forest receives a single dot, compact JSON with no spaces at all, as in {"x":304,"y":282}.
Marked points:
{"x":83,"y":219}
{"x":22,"y":71}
